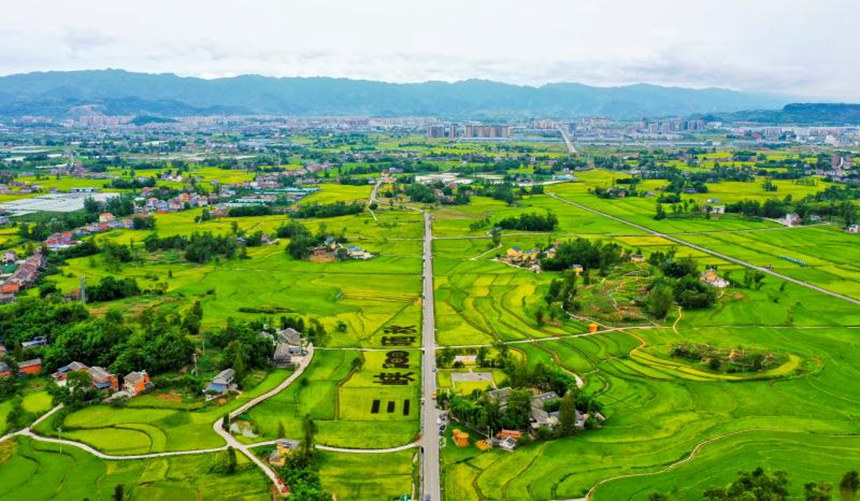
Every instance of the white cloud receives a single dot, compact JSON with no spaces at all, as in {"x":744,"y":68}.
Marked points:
{"x":794,"y":46}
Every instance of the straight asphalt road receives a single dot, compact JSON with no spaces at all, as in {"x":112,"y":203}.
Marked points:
{"x":430,"y":482}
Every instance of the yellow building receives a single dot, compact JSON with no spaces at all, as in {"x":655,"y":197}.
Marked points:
{"x":461,"y":438}
{"x":284,"y":448}
{"x":514,"y":253}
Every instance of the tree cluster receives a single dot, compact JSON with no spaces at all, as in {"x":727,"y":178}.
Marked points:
{"x":530,"y":222}
{"x":328,"y":210}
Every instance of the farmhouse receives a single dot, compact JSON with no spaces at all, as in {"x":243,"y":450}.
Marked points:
{"x":854,"y":228}
{"x":135,"y":383}
{"x":358,"y":253}
{"x":791,"y":219}
{"x":501,"y":396}
{"x":60,"y":376}
{"x":289,"y":336}
{"x":539,"y":416}
{"x":282,"y":358}
{"x":221,"y":383}
{"x":506,"y":444}
{"x":33,"y":366}
{"x":506,"y":440}
{"x":102,"y":379}
{"x":35,"y":342}
{"x":288,"y":344}
{"x":284,"y":448}
{"x":711,"y":278}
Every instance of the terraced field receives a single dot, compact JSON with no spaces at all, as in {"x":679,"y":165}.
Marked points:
{"x":659,"y":410}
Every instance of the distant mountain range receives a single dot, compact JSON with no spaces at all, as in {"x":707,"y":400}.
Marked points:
{"x":117,"y":92}
{"x":796,"y":114}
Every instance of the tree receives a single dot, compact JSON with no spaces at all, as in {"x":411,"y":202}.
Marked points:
{"x":481,"y":356}
{"x":231,"y":460}
{"x":308,"y":445}
{"x":567,"y":415}
{"x":756,"y":485}
{"x":496,"y":235}
{"x":48,"y":288}
{"x":660,"y":300}
{"x":519,"y":409}
{"x":281,"y":432}
{"x":118,"y":492}
{"x":445,"y":357}
{"x":849,"y":486}
{"x":225,"y":422}
{"x":661,"y":213}
{"x":821,"y":491}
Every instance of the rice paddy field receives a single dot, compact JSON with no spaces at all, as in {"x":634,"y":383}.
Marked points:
{"x":670,"y":427}
{"x":340,"y":390}
{"x":37,"y":470}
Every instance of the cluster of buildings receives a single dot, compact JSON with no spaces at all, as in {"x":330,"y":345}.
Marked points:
{"x":21,"y":188}
{"x":840,"y":168}
{"x":178,"y":203}
{"x":331,"y":250}
{"x":540,"y":417}
{"x":453,"y":131}
{"x":289,"y":347}
{"x":133,"y":384}
{"x":25,"y":367}
{"x":654,"y":128}
{"x":529,"y":259}
{"x":18,"y":274}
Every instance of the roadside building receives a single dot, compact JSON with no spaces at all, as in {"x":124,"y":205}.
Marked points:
{"x":284,"y":448}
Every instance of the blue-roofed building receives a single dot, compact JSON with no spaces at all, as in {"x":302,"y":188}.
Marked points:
{"x":221,"y":383}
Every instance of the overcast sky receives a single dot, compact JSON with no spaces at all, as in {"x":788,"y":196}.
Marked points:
{"x":804,"y":47}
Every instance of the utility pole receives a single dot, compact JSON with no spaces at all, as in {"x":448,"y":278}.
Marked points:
{"x":60,"y":432}
{"x":83,"y":289}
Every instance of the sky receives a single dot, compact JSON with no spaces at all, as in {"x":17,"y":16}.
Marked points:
{"x":800,"y":47}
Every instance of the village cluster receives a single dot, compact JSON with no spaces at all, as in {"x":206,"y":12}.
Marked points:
{"x":288,"y":349}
